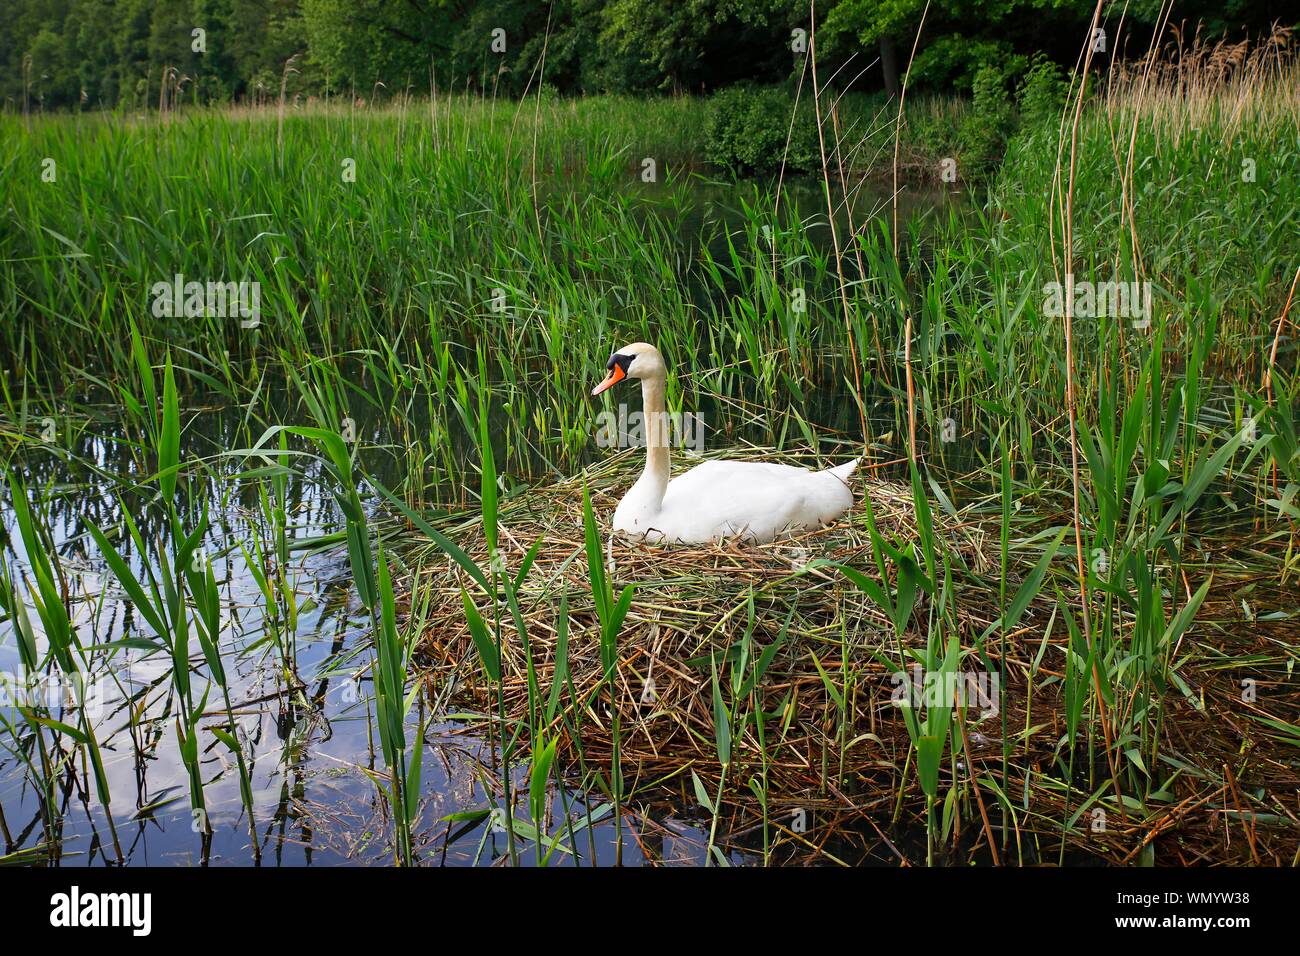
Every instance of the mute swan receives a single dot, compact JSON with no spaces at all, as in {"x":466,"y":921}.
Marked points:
{"x":718,"y":499}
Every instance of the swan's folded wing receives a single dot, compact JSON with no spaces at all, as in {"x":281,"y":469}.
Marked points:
{"x":755,"y":499}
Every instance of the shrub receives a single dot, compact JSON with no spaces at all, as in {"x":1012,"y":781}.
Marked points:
{"x":1042,"y":93}
{"x":988,"y":126}
{"x":934,"y":127}
{"x":953,"y":62}
{"x":748,"y":126}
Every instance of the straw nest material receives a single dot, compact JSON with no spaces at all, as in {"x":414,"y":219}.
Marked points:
{"x":690,"y":605}
{"x":835,"y":742}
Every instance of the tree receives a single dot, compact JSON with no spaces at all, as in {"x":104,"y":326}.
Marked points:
{"x":101,"y":53}
{"x":870,"y":23}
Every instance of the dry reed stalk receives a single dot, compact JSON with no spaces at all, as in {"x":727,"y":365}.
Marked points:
{"x":279,"y":120}
{"x":1070,"y":400}
{"x":1277,"y":336}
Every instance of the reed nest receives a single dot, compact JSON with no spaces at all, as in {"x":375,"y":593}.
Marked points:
{"x":835,"y":750}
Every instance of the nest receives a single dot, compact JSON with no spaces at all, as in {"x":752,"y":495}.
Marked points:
{"x":691,"y":607}
{"x":835,"y":745}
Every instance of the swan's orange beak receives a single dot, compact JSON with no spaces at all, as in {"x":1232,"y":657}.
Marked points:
{"x":616,"y":375}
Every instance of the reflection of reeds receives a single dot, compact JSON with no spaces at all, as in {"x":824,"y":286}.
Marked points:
{"x":58,"y":651}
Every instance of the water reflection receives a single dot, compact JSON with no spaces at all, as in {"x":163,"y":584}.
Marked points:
{"x":305,"y":726}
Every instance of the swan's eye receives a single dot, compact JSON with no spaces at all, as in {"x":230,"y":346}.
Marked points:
{"x":617,"y":359}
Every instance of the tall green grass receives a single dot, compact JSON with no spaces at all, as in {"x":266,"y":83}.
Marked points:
{"x":462,"y":287}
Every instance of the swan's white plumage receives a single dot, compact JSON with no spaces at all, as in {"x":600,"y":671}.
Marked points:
{"x":756,"y":501}
{"x":753,"y":500}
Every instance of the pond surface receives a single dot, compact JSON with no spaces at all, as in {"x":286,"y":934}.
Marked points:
{"x":308,"y":738}
{"x":300,"y":689}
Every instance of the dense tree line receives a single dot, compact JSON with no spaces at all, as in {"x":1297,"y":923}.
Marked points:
{"x":100,"y":54}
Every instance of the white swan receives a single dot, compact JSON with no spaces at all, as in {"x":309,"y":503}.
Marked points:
{"x":718,"y":499}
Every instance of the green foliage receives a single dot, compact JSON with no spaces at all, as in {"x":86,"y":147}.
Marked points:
{"x":933,"y":126}
{"x":989,"y":125}
{"x":690,"y":46}
{"x":1041,"y":94}
{"x":748,"y":128}
{"x":867,"y":21}
{"x":99,"y":54}
{"x":93,"y":54}
{"x":955,"y":61}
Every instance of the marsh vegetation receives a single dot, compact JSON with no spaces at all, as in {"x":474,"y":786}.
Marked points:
{"x":333,"y":581}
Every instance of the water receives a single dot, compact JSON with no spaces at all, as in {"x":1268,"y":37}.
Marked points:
{"x":307,"y":727}
{"x":310,"y":740}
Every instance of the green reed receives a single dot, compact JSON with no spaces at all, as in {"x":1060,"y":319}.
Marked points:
{"x":463,"y":303}
{"x":49,"y":594}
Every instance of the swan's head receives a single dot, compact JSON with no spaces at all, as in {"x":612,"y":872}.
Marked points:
{"x":638,"y":360}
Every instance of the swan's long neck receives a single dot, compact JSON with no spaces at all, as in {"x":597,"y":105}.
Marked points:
{"x":657,"y":437}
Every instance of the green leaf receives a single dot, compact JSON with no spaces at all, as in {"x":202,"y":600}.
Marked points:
{"x":826,"y":681}
{"x":1183,"y":619}
{"x":53,"y":724}
{"x":539,"y":778}
{"x":1030,"y":587}
{"x":438,"y":538}
{"x":126,"y":577}
{"x":488,"y":484}
{"x":412,"y":789}
{"x":487,"y":650}
{"x":169,"y":444}
{"x":226,"y":738}
{"x":701,"y":794}
{"x":721,"y":722}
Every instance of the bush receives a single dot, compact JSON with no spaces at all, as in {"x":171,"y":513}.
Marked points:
{"x":747,"y":129}
{"x":988,"y":126}
{"x":1042,"y":94}
{"x":933,"y":131}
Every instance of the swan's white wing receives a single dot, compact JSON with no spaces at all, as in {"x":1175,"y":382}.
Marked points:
{"x":757,"y":500}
